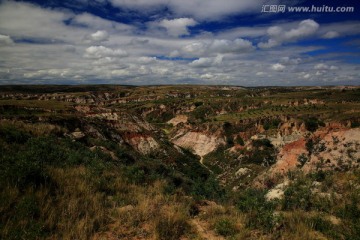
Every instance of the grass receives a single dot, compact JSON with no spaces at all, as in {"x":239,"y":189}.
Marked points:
{"x":37,"y":104}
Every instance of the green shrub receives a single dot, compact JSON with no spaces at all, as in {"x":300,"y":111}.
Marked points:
{"x":11,"y":134}
{"x":318,"y":223}
{"x":240,"y":141}
{"x":312,"y":124}
{"x":225,"y":227}
{"x":263,"y":153}
{"x":260,"y":212}
{"x":302,"y":159}
{"x":208,"y":189}
{"x":298,"y":196}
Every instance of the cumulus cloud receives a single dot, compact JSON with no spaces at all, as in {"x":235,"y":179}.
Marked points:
{"x":260,"y":74}
{"x":277,"y":35}
{"x":290,"y":61}
{"x":63,"y":56}
{"x":206,"y":62}
{"x":228,"y":46}
{"x":96,"y":37}
{"x":322,"y":66}
{"x":139,"y":41}
{"x":177,"y":27}
{"x":337,"y":29}
{"x":101,"y":52}
{"x":22,"y":20}
{"x":146,"y":60}
{"x":5,"y":40}
{"x":95,"y":22}
{"x":331,"y":34}
{"x":278,"y":67}
{"x":100,"y":36}
{"x":105,"y":61}
{"x":217,"y":46}
{"x":199,"y":9}
{"x":307,"y":76}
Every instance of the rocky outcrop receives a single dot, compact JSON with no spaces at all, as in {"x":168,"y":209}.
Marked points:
{"x":201,"y":143}
{"x":333,"y":149}
{"x":336,"y":150}
{"x":277,"y":193}
{"x":178,"y":119}
{"x":142,"y":143}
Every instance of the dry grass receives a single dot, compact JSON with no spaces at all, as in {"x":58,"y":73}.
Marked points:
{"x":35,"y":129}
{"x":80,"y":209}
{"x":150,"y":214}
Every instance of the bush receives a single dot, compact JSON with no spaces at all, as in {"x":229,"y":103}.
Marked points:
{"x":225,"y":227}
{"x":11,"y":134}
{"x":298,"y":196}
{"x":312,"y":124}
{"x":260,"y":212}
{"x":263,"y":153}
{"x":208,"y":189}
{"x":240,"y":141}
{"x":302,"y":159}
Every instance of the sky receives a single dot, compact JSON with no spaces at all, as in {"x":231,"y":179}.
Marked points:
{"x":151,"y":42}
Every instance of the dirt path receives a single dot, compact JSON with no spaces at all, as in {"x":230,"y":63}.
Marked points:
{"x":202,"y":163}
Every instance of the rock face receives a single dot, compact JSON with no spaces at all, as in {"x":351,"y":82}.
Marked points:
{"x":242,"y":172}
{"x":143,"y":144}
{"x":77,"y":135}
{"x":288,"y":156}
{"x":337,"y":150}
{"x":333,"y":149}
{"x":178,"y":119}
{"x":201,"y":143}
{"x":280,"y":141}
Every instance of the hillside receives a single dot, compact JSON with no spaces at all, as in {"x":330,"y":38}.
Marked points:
{"x":179,"y":162}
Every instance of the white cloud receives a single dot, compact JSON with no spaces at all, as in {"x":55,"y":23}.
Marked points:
{"x":278,"y":36}
{"x":222,"y":46}
{"x":146,"y":60}
{"x":305,"y":29}
{"x":199,"y":9}
{"x":337,"y":29}
{"x":331,"y":34}
{"x":207,"y":76}
{"x":5,"y":40}
{"x":100,"y":36}
{"x":307,"y":76}
{"x":227,"y":46}
{"x":62,"y":55}
{"x":95,"y":22}
{"x":206,"y":62}
{"x":19,"y":19}
{"x":278,"y":67}
{"x":290,"y":61}
{"x":101,"y":52}
{"x":105,"y":61}
{"x":195,"y":48}
{"x":321,"y":66}
{"x":177,"y":27}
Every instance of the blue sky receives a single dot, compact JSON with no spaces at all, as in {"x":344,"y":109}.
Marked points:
{"x":145,"y":42}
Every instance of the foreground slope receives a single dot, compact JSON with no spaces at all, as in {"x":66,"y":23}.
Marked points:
{"x":191,"y":162}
